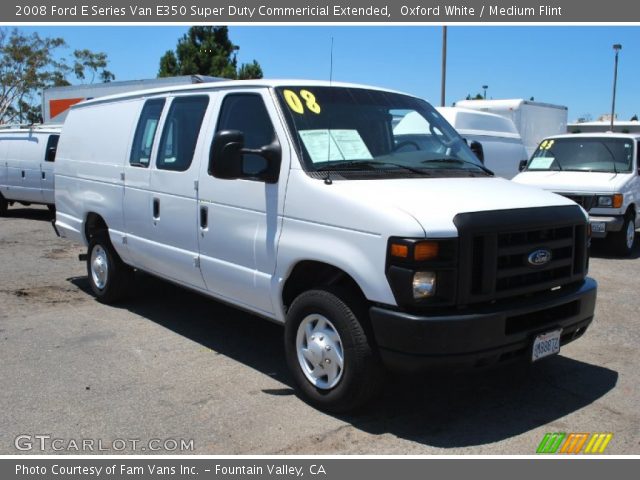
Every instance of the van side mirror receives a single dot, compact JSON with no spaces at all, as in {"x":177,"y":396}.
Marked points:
{"x":476,"y":148}
{"x":226,"y":158}
{"x":522,"y":165}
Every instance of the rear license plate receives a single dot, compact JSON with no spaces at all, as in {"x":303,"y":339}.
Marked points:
{"x":598,"y":227}
{"x":546,"y":344}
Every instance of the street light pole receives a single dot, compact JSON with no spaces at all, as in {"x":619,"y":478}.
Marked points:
{"x":617,"y":47}
{"x":444,"y":66}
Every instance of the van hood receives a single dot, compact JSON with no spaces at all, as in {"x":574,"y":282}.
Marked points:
{"x":573,"y":182}
{"x":434,"y":203}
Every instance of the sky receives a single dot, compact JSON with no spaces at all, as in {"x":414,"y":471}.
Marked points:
{"x":566,"y":65}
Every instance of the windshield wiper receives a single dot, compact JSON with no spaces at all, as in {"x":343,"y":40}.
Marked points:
{"x":613,"y":158}
{"x":458,"y":160}
{"x":370,"y":164}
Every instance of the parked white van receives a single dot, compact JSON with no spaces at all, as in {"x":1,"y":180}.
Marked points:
{"x":27,"y":154}
{"x":295,"y":200}
{"x":502,"y":146}
{"x":600,"y":172}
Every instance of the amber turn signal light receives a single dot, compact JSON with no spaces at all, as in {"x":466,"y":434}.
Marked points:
{"x":400,"y":251}
{"x":425,"y":251}
{"x":617,"y":200}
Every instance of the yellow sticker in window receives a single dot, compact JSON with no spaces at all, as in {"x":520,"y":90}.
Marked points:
{"x":295,"y":104}
{"x":543,"y":145}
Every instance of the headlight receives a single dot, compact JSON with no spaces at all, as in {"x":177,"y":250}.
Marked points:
{"x":424,"y":285}
{"x":610,"y":201}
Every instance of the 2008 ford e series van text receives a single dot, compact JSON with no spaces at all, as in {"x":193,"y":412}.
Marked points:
{"x":297,"y":201}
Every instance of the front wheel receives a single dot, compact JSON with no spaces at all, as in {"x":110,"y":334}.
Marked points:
{"x":4,"y":205}
{"x":109,"y":277}
{"x":330,"y":355}
{"x":621,"y":243}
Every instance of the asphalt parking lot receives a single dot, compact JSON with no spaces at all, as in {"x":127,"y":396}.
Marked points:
{"x":170,"y":364}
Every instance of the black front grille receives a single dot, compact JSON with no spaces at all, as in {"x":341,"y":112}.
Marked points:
{"x":496,"y":247}
{"x":585,"y":201}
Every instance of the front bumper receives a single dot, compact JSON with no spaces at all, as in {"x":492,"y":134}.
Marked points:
{"x":481,"y":336}
{"x":608,"y":224}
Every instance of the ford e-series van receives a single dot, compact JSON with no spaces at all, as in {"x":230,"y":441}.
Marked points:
{"x":26,"y":165}
{"x":298,"y":201}
{"x":599,"y":171}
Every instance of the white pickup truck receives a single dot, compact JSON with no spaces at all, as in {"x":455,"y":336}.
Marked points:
{"x":600,"y":172}
{"x":298,"y":201}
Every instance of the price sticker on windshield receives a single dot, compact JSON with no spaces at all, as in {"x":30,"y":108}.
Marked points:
{"x":301,"y":102}
{"x":547,"y":144}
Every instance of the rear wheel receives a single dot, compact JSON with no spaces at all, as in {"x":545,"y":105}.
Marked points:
{"x":621,"y":243}
{"x":330,"y":355}
{"x":4,"y":205}
{"x":109,"y":277}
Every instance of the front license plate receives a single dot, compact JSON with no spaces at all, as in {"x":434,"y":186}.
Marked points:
{"x":598,"y":227}
{"x":546,"y":344}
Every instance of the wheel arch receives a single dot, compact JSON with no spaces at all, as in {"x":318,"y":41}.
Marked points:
{"x":309,"y":274}
{"x":94,"y":224}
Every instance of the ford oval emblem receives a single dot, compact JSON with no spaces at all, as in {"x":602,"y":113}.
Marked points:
{"x":539,"y":257}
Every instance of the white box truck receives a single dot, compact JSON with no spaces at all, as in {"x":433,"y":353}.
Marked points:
{"x":296,"y":200}
{"x":27,"y":155}
{"x":600,"y":172}
{"x":534,"y":120}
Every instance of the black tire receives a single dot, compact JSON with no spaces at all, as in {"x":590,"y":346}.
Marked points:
{"x":52,"y":209}
{"x":361,"y":377}
{"x":119,"y":276}
{"x":4,"y":205}
{"x":618,"y":241}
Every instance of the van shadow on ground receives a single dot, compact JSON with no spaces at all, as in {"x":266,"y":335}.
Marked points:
{"x":30,"y":213}
{"x":600,"y":249}
{"x":438,"y":410}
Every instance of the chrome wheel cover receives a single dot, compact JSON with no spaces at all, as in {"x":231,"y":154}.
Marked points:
{"x":320,"y":352}
{"x":99,"y":267}
{"x":631,"y":234}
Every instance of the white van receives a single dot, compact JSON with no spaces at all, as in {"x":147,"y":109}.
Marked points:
{"x":600,"y":172}
{"x":502,"y":147}
{"x":27,"y":154}
{"x":295,"y":200}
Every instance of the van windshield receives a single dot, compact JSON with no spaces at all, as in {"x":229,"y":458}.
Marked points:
{"x":368,"y":133}
{"x":594,"y":154}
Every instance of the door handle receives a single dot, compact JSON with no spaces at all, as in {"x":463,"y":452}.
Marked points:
{"x":156,"y":208}
{"x":204,"y":217}
{"x":22,"y":173}
{"x":43,"y":175}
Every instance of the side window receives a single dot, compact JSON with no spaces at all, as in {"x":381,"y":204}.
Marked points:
{"x":180,"y":132}
{"x":52,"y":148}
{"x":247,"y":113}
{"x":145,"y":132}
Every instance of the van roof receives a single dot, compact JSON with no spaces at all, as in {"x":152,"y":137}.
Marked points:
{"x":633,"y":136}
{"x":36,"y":128}
{"x":476,"y":122}
{"x":222,"y":85}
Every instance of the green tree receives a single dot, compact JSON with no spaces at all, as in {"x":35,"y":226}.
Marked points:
{"x":30,"y":63}
{"x":477,"y":97}
{"x":206,"y":50}
{"x":93,"y":63}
